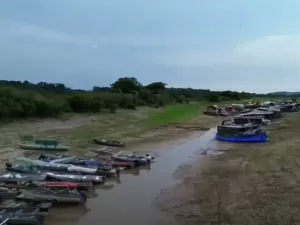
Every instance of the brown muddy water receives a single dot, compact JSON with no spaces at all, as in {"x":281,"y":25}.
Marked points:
{"x":130,"y":200}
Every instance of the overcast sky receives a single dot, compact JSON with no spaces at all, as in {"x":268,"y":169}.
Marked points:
{"x":212,"y":44}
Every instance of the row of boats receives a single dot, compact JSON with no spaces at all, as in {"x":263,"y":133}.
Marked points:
{"x":247,"y":125}
{"x":37,"y":184}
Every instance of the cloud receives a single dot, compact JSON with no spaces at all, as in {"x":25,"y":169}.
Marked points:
{"x":210,"y":45}
{"x":272,"y":50}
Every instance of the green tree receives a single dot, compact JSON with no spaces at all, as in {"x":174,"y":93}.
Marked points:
{"x":126,"y":84}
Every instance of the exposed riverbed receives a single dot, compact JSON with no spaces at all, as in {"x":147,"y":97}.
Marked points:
{"x":130,"y":200}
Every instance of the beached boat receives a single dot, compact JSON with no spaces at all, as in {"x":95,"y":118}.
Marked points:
{"x":73,"y":160}
{"x":241,"y":133}
{"x":102,"y":171}
{"x":69,"y":185}
{"x":16,"y":177}
{"x":48,"y":145}
{"x":64,"y":159}
{"x":61,"y":196}
{"x":33,"y":174}
{"x":7,"y":193}
{"x":3,"y":221}
{"x":43,"y":206}
{"x":239,"y":120}
{"x":134,"y":159}
{"x":37,"y":212}
{"x":75,"y":178}
{"x":19,"y":219}
{"x":57,"y":167}
{"x":22,"y":169}
{"x":86,"y":162}
{"x":109,"y":142}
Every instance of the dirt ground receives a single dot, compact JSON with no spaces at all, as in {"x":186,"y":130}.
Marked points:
{"x":255,"y":184}
{"x":77,"y":131}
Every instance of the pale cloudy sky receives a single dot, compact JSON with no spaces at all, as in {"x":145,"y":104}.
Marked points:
{"x":234,"y":44}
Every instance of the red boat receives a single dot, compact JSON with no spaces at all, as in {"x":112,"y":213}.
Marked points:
{"x":122,"y":164}
{"x":69,"y":185}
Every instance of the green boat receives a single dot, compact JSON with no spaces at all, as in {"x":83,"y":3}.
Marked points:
{"x":47,"y":145}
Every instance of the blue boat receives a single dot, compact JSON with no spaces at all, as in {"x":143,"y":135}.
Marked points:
{"x":241,"y":133}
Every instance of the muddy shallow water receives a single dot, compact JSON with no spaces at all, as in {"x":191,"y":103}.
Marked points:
{"x":130,"y":200}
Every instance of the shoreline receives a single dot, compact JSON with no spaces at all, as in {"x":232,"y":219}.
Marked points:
{"x":242,"y":185}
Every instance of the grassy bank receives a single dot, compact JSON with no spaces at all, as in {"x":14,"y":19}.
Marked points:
{"x":131,"y":126}
{"x":252,"y":184}
{"x":174,"y":114}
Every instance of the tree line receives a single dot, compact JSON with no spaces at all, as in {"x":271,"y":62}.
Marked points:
{"x":24,"y":99}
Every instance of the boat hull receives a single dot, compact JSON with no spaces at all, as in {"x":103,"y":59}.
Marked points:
{"x":109,"y":143}
{"x":44,"y":148}
{"x":255,"y":138}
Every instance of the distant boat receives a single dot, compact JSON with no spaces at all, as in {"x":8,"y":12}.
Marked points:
{"x":109,"y":142}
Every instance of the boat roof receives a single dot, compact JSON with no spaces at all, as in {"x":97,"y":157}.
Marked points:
{"x":213,"y":106}
{"x":239,"y":126}
{"x":248,"y":117}
{"x":60,"y":184}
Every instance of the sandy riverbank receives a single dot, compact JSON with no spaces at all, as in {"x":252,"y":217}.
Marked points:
{"x":249,"y":184}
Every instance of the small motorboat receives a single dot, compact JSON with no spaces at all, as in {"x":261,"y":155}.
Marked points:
{"x":69,"y":185}
{"x":43,"y":206}
{"x":16,"y":177}
{"x":62,"y":196}
{"x":46,"y":145}
{"x":57,"y":159}
{"x":134,"y":159}
{"x":75,"y":178}
{"x":6,"y":193}
{"x":109,"y":142}
{"x":3,"y":221}
{"x":102,"y":170}
{"x":22,"y":169}
{"x":37,"y":212}
{"x":18,"y":219}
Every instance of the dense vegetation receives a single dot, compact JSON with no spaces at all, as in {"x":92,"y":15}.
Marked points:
{"x":25,"y":99}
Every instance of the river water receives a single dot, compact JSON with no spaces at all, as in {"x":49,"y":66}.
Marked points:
{"x":130,"y":200}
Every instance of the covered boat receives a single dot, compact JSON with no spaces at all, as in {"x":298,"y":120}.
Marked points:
{"x":265,"y":112}
{"x":239,"y":120}
{"x":48,"y":145}
{"x":241,"y":133}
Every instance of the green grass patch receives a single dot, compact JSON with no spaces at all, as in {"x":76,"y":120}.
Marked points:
{"x":174,"y":114}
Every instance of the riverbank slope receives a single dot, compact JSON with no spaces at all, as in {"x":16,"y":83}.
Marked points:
{"x":249,"y":184}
